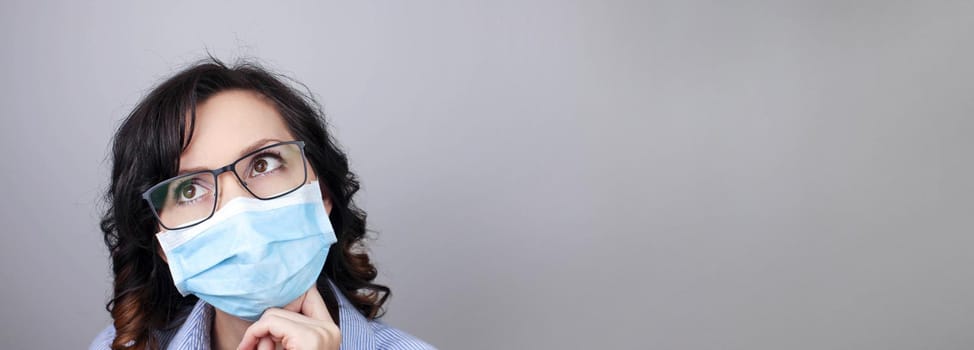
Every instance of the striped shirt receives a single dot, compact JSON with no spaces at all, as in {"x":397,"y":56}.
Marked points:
{"x":357,"y":331}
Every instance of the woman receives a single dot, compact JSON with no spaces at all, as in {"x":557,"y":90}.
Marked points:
{"x":231,"y":223}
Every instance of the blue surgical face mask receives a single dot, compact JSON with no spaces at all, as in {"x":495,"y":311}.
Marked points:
{"x":252,"y":254}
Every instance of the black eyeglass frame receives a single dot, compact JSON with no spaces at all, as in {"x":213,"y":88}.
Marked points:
{"x":147,"y":195}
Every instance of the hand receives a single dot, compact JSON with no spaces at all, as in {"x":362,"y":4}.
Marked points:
{"x":309,"y":328}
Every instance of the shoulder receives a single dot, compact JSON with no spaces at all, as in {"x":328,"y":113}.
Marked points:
{"x":388,"y":337}
{"x":103,"y":341}
{"x":189,"y":331}
{"x":361,"y":333}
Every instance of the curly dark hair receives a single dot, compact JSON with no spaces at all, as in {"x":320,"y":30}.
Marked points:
{"x":146,"y":151}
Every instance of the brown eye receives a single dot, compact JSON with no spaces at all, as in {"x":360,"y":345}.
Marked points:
{"x":265,"y":164}
{"x":260,"y":165}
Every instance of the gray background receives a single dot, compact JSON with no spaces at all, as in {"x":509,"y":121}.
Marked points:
{"x":553,"y":174}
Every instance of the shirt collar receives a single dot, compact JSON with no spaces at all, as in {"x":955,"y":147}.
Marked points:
{"x":194,"y":333}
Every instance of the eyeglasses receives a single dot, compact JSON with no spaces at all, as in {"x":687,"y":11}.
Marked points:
{"x":266,"y":173}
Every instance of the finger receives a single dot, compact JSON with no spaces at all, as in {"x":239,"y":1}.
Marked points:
{"x":314,"y":306}
{"x":266,"y":343}
{"x":290,"y":315}
{"x":268,"y":326}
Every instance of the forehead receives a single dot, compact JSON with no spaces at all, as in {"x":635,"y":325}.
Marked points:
{"x":228,"y":123}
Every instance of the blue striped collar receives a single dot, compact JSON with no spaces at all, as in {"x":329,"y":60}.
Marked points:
{"x":194,"y":333}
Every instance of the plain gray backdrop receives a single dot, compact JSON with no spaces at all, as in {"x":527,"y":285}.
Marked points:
{"x":552,"y":174}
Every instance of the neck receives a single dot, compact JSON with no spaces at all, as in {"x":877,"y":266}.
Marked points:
{"x":227,"y":331}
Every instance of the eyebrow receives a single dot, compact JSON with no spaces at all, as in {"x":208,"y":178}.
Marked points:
{"x":253,"y":147}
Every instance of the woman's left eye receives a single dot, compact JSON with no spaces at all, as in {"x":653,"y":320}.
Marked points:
{"x":264,"y":164}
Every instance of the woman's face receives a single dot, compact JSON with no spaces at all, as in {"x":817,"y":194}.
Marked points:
{"x":229,"y":125}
